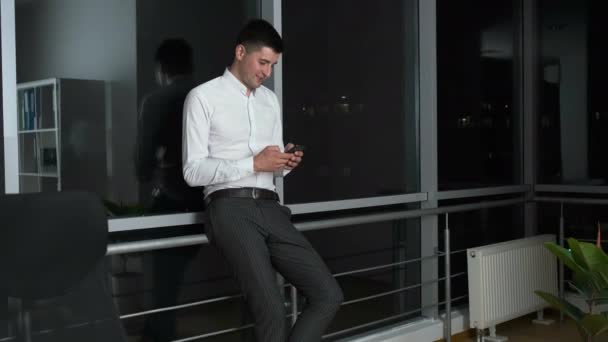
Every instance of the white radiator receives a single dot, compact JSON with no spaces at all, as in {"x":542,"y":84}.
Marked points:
{"x":504,"y":276}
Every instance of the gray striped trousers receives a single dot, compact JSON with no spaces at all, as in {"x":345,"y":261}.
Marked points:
{"x":258,"y":239}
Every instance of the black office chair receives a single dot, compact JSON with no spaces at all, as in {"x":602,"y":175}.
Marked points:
{"x":54,"y":248}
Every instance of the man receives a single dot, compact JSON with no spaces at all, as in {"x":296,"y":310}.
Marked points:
{"x":232,"y":146}
{"x":159,"y":170}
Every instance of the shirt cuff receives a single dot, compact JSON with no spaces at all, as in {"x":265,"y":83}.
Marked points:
{"x":245,"y":164}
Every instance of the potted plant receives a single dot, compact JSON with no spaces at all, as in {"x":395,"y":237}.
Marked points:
{"x":589,"y":265}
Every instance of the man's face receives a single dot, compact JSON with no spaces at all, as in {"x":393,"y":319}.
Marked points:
{"x":255,"y":66}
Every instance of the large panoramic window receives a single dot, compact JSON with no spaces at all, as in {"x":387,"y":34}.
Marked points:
{"x":349,"y":95}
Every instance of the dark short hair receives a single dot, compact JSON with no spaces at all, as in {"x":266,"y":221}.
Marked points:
{"x":259,"y":33}
{"x":174,"y":57}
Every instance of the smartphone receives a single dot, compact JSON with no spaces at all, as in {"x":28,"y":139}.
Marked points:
{"x":295,"y":148}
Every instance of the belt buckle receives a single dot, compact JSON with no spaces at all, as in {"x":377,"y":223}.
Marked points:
{"x":255,"y":194}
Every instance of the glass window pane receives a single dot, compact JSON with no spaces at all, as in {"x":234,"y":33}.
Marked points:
{"x":473,"y":229}
{"x":478,"y":120}
{"x":573,"y":113}
{"x":351,"y":102}
{"x":100,"y":55}
{"x":390,"y":242}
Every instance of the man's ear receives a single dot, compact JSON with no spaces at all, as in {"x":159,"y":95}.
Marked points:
{"x":240,"y":52}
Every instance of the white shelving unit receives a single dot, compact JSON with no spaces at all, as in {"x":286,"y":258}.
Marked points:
{"x":61,"y":135}
{"x":39,"y":136}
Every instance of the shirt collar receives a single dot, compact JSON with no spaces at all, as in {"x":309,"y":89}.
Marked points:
{"x":236,"y":83}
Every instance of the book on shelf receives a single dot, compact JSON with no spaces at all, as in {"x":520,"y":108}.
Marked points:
{"x":30,"y":116}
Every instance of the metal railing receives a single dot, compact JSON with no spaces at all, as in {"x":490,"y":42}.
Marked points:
{"x":196,"y":239}
{"x":561,"y":233}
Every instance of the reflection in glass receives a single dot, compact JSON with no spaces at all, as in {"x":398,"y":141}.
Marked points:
{"x":159,"y":133}
{"x":477,"y":63}
{"x":573,"y":113}
{"x":349,"y":85}
{"x":110,"y":44}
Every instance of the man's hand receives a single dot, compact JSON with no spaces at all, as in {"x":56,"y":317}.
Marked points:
{"x":271,"y":159}
{"x":295,"y":158}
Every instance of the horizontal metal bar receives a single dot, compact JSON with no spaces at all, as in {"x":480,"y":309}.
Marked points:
{"x":569,"y":200}
{"x":453,"y":299}
{"x":387,"y":293}
{"x":153,"y":221}
{"x":224,"y":298}
{"x":120,"y":224}
{"x":580,"y":189}
{"x":146,"y":245}
{"x":156,"y":244}
{"x":316,"y":207}
{"x":181,"y":306}
{"x":442,"y":253}
{"x":375,"y":268}
{"x":402,"y":289}
{"x":479,"y":192}
{"x":459,"y":251}
{"x":400,"y":215}
{"x":391,"y":318}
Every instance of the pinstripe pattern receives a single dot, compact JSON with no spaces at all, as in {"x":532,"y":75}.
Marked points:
{"x":257,"y":238}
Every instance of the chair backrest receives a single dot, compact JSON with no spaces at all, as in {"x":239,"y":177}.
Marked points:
{"x":53,"y":241}
{"x":54,"y":253}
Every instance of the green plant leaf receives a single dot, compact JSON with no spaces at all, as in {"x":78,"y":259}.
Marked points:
{"x":595,"y":324}
{"x":570,"y":310}
{"x":594,"y":257}
{"x":564,"y":255}
{"x":577,"y":254}
{"x":585,"y":282}
{"x":602,"y":271}
{"x":581,"y":289}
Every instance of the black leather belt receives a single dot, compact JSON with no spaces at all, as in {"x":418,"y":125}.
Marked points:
{"x":253,"y":193}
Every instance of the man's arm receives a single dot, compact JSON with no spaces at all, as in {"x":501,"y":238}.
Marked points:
{"x":199,"y":169}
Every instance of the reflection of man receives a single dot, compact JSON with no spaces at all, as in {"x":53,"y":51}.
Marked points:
{"x":159,"y":139}
{"x":232,"y":146}
{"x":158,"y":163}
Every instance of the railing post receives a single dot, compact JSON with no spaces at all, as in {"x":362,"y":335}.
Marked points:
{"x":561,"y":264}
{"x":294,"y":305}
{"x":448,"y":282}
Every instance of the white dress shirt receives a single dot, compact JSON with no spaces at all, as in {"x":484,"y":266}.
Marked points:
{"x":224,"y":129}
